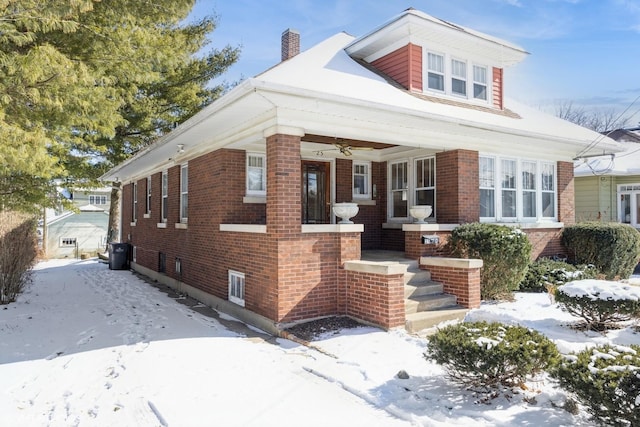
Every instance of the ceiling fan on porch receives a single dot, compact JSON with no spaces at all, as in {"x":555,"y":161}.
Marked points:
{"x":344,"y":148}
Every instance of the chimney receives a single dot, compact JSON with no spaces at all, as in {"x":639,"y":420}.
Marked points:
{"x":290,"y":43}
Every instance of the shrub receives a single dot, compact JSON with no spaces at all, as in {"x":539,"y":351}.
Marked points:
{"x":505,"y":253}
{"x":17,"y":254}
{"x":613,"y":248}
{"x":602,"y":304}
{"x":555,"y":273}
{"x":606,"y":380}
{"x":484,"y":355}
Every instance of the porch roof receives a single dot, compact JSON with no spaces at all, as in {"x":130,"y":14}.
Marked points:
{"x":323,"y":91}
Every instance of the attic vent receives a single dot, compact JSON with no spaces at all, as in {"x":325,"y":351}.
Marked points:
{"x":290,"y":42}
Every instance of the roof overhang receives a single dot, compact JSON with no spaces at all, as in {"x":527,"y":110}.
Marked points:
{"x":413,"y":26}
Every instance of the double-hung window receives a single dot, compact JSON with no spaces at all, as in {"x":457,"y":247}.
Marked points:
{"x":509,"y":190}
{"x":480,"y":82}
{"x":148,"y":198}
{"x":184,"y":193}
{"x":425,"y":183}
{"x":487,"y":169}
{"x":435,"y":71}
{"x":458,"y":77}
{"x":256,"y":174}
{"x":516,"y":190}
{"x":529,"y":194}
{"x":164,"y":207}
{"x":399,"y":189}
{"x":361,"y":180}
{"x":134,"y":204}
{"x":548,"y":188}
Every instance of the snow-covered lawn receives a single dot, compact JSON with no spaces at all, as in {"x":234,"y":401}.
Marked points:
{"x":88,"y":346}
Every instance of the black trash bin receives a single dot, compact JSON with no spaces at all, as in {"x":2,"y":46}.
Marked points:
{"x":118,"y":256}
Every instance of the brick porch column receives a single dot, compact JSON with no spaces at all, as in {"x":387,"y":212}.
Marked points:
{"x":284,"y":215}
{"x":457,"y":187}
{"x":566,"y":193}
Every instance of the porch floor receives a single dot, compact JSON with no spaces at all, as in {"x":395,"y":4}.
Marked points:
{"x":384,"y":255}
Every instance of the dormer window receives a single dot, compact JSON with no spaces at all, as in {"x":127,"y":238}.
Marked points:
{"x":435,"y":69}
{"x":480,"y":82}
{"x":458,"y":77}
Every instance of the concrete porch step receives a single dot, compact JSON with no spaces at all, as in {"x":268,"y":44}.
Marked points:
{"x":415,"y":275}
{"x":421,"y":289}
{"x":429,"y":302}
{"x":416,"y":322}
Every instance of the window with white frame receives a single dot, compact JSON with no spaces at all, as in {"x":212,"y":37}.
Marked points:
{"x":529,"y":177}
{"x":164,"y":207}
{"x":134,"y":213}
{"x":508,"y":178}
{"x":184,"y":193}
{"x":458,"y":77}
{"x":425,"y":182}
{"x":361,"y":180}
{"x":435,"y":71}
{"x":525,"y":190}
{"x":256,"y":174}
{"x":236,"y":287}
{"x":487,"y":169}
{"x":480,"y":82}
{"x":399,"y":189}
{"x":97,"y":200}
{"x":68,"y":242}
{"x":629,"y":204}
{"x":548,"y":188}
{"x":147,"y":209}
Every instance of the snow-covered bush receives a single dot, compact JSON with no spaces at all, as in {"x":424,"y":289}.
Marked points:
{"x":505,"y":252}
{"x":545,"y":271}
{"x":483,"y":355}
{"x":613,"y":248}
{"x":606,"y":380}
{"x":601,"y":303}
{"x":17,"y":253}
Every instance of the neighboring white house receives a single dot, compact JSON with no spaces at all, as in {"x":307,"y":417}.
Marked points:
{"x":608,"y":186}
{"x":71,"y":233}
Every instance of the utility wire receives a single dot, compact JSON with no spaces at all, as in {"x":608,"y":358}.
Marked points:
{"x":597,"y":140}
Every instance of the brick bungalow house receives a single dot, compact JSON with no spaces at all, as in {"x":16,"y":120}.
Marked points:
{"x":234,"y":206}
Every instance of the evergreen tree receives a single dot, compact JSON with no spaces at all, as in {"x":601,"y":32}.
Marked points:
{"x":86,"y":84}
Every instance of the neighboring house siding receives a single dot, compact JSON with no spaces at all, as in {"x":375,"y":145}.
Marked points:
{"x":590,"y":195}
{"x":89,"y":229}
{"x":404,"y":65}
{"x":498,"y":88}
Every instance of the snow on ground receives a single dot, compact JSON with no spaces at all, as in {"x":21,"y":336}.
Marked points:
{"x":89,"y":346}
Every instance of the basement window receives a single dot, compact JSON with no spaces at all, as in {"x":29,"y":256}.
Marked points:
{"x":236,"y":287}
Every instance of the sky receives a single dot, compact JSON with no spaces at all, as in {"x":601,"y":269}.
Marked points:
{"x":581,"y":51}
{"x":89,"y":346}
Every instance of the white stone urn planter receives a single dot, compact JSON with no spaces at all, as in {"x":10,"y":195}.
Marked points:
{"x":345,"y":211}
{"x":420,"y":212}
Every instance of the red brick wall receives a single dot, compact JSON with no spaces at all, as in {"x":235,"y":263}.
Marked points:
{"x":414,"y":248}
{"x":376,"y":298}
{"x":498,"y":88}
{"x":545,"y":242}
{"x":457,"y":187}
{"x":404,"y":65}
{"x":462,"y":282}
{"x":284,"y":209}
